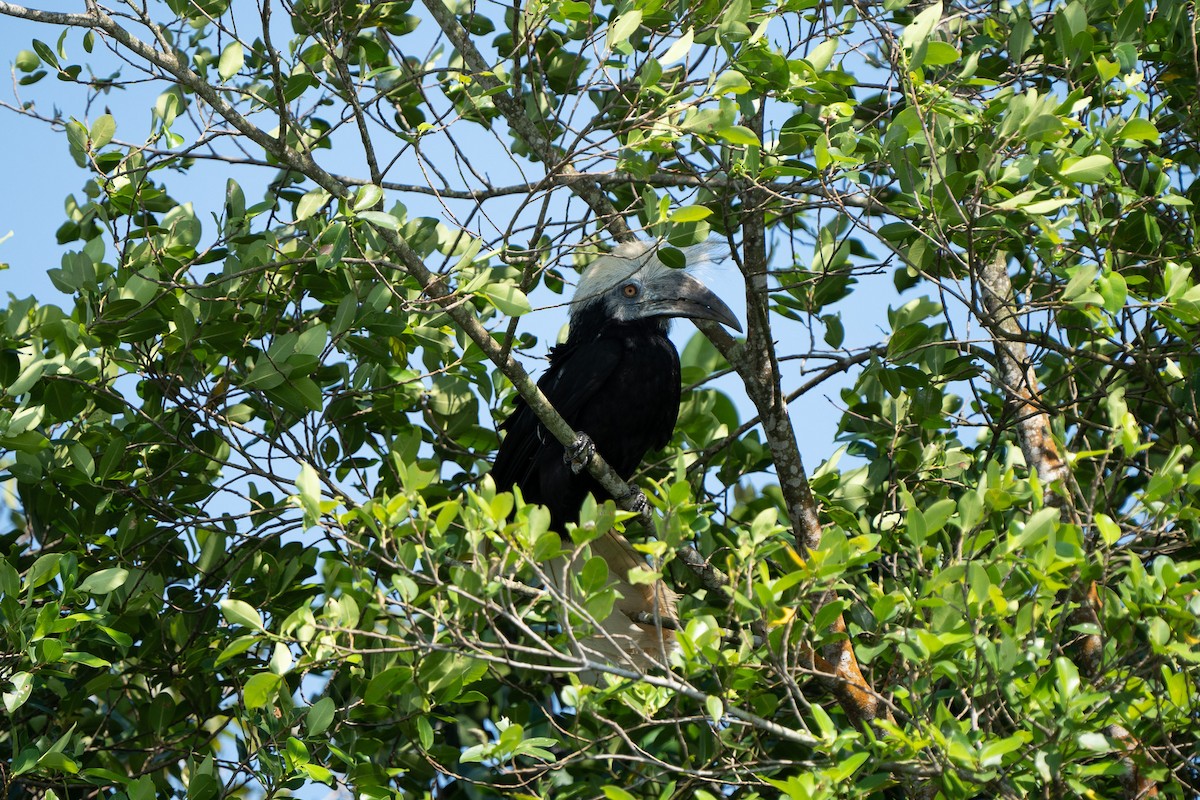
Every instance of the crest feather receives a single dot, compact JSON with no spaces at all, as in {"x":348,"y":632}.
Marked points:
{"x":628,"y":259}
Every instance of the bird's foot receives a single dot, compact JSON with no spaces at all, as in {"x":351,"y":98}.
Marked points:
{"x":579,"y":453}
{"x":638,"y":503}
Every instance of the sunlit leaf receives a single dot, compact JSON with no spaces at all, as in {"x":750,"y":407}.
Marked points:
{"x":231,"y":61}
{"x":239,"y":612}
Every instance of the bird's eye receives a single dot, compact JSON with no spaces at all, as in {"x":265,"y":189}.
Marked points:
{"x":630,"y":290}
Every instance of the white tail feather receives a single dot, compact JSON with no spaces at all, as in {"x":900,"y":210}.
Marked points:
{"x":620,"y":639}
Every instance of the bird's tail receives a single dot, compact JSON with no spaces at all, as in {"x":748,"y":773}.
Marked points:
{"x":634,"y":634}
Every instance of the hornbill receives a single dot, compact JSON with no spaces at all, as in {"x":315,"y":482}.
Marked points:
{"x":615,"y":380}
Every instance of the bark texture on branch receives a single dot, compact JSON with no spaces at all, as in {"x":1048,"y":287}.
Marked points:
{"x":756,"y":363}
{"x":1018,"y":383}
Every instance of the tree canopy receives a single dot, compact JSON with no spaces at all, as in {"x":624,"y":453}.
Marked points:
{"x":251,"y":547}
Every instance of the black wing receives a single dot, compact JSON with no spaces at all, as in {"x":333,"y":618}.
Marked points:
{"x":576,"y":374}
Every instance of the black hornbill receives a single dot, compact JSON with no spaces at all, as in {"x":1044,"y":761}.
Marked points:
{"x":616,"y":382}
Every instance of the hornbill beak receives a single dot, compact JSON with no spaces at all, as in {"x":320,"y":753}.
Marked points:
{"x":677,"y":294}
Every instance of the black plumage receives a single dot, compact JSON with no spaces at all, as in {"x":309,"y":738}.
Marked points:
{"x":616,"y":380}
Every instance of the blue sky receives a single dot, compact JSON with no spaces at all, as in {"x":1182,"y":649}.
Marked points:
{"x":39,"y":174}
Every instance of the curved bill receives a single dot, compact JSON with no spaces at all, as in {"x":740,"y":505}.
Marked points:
{"x":677,"y":294}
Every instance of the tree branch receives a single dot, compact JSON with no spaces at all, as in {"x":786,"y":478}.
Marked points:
{"x":520,"y":123}
{"x":1018,"y":381}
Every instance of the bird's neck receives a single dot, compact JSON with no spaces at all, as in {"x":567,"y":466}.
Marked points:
{"x":591,"y":322}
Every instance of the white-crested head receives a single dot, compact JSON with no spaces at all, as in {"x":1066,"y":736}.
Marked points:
{"x":631,"y":283}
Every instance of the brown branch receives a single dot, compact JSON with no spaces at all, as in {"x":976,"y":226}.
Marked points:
{"x":1018,"y":382}
{"x":757,"y":365}
{"x":1017,"y":379}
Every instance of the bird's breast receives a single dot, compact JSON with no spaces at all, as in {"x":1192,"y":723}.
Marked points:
{"x":637,"y":411}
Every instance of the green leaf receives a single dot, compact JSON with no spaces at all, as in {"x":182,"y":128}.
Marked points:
{"x":1139,"y":129}
{"x":1088,"y":169}
{"x":297,"y":751}
{"x":673,"y":257}
{"x":319,"y":716}
{"x":993,"y":753}
{"x":119,"y":637}
{"x":311,"y":203}
{"x":1114,"y":290}
{"x":1107,"y":70}
{"x":318,"y":773}
{"x":87,"y":659}
{"x":25,"y":761}
{"x":739,"y":134}
{"x":265,"y":375}
{"x":1045,"y":128}
{"x":1158,"y":631}
{"x":941,"y":53}
{"x":507,"y":299}
{"x":366,"y":197}
{"x":1019,"y":40}
{"x":308,"y":487}
{"x":846,"y":767}
{"x":237,"y":647}
{"x":594,"y":575}
{"x":674,"y":53}
{"x":691,"y":214}
{"x":424,"y":733}
{"x":261,"y":689}
{"x":27,"y":61}
{"x":102,"y":131}
{"x":281,"y":659}
{"x":104,"y":581}
{"x":10,"y":580}
{"x":835,"y":332}
{"x":622,"y":28}
{"x":1081,"y":281}
{"x":55,"y":760}
{"x":30,"y":374}
{"x":44,"y":570}
{"x":300,"y":394}
{"x":1035,"y":529}
{"x":1110,"y":532}
{"x":715,"y":708}
{"x":1095,"y":742}
{"x":232,"y":59}
{"x":616,"y":793}
{"x":312,"y":341}
{"x":142,"y":789}
{"x":475,"y":754}
{"x":919,"y":30}
{"x":380,"y":219}
{"x":824,"y":722}
{"x":239,"y":612}
{"x":45,"y":53}
{"x":820,"y":56}
{"x":22,"y":687}
{"x":731,"y":82}
{"x":1047,"y":206}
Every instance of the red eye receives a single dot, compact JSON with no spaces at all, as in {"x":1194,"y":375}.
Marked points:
{"x":630,"y":290}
